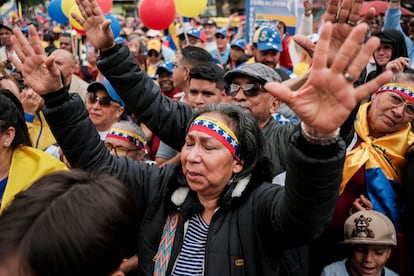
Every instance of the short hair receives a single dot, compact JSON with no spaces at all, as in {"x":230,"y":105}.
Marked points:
{"x":12,"y":115}
{"x":70,"y":223}
{"x":194,"y":55}
{"x":209,"y":71}
{"x":250,"y":136}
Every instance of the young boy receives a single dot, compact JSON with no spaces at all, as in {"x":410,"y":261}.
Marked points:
{"x":372,"y":235}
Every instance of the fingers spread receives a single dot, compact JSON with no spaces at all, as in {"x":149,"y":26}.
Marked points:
{"x":280,"y":91}
{"x":350,"y":48}
{"x":322,"y":47}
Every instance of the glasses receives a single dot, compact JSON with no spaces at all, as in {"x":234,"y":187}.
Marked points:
{"x":384,"y":48}
{"x":119,"y":150}
{"x":103,"y":101}
{"x":250,"y":89}
{"x":155,"y":54}
{"x":220,"y":37}
{"x":191,"y":41}
{"x":396,"y":100}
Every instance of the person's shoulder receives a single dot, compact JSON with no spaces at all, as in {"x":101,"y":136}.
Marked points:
{"x":335,"y":269}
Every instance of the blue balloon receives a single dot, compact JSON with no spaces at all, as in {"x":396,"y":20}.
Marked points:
{"x":55,"y":12}
{"x":115,"y":25}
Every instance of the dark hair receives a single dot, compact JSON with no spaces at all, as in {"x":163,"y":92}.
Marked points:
{"x":208,"y":71}
{"x":12,"y":115}
{"x":194,"y":55}
{"x":70,"y":223}
{"x":247,"y":131}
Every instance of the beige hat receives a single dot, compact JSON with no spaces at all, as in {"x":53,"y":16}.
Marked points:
{"x":369,"y":227}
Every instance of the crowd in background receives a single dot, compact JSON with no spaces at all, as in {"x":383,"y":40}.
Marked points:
{"x":137,"y":97}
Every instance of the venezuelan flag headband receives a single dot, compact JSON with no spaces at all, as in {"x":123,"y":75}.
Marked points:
{"x":127,"y":136}
{"x":219,"y":131}
{"x":402,"y":89}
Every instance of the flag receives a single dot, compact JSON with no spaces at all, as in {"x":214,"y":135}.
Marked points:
{"x":41,"y":17}
{"x":172,"y":37}
{"x":9,"y":9}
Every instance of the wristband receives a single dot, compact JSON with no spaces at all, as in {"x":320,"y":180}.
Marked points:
{"x":322,"y":141}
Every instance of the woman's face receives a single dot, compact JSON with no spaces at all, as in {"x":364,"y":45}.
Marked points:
{"x":207,"y":163}
{"x":383,"y":54}
{"x":369,"y":259}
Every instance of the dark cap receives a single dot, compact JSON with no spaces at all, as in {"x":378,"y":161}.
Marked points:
{"x":257,"y":71}
{"x":210,"y":22}
{"x":105,"y":85}
{"x":8,"y":27}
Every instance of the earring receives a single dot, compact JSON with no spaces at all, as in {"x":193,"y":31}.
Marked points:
{"x":6,"y":143}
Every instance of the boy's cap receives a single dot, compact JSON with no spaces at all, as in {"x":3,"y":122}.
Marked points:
{"x":154,"y":44}
{"x":240,"y":43}
{"x":165,"y":66}
{"x":369,"y":227}
{"x":97,"y":85}
{"x":267,"y":38}
{"x":195,"y":32}
{"x":258,"y":71}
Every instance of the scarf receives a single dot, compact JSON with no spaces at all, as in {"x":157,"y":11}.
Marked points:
{"x":384,"y":160}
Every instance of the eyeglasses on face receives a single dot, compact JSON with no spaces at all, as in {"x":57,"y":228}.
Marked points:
{"x":103,"y":101}
{"x":153,"y":53}
{"x":220,"y":37}
{"x":250,"y":89}
{"x":191,"y":41}
{"x":396,"y":100}
{"x":119,"y":150}
{"x":384,"y":48}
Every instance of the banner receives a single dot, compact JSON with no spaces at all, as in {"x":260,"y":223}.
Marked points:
{"x":270,"y":12}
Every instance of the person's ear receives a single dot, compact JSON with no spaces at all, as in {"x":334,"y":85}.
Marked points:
{"x":274,"y":105}
{"x":237,"y":167}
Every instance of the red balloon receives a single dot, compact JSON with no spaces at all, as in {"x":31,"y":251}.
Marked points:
{"x":157,"y":14}
{"x":82,"y":32}
{"x":106,"y":5}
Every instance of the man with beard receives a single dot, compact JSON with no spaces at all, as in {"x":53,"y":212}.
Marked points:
{"x":165,"y":80}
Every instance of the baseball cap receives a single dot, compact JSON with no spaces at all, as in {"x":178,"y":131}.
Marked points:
{"x":369,"y":227}
{"x":221,"y":31}
{"x":210,"y":22}
{"x":166,"y":66}
{"x":97,"y":85}
{"x":267,"y":38}
{"x":239,"y":43}
{"x":8,"y":27}
{"x":256,"y":70}
{"x":153,"y":33}
{"x":195,"y":32}
{"x":154,"y":44}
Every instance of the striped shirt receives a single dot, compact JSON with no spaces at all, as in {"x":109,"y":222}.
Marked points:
{"x":191,"y":258}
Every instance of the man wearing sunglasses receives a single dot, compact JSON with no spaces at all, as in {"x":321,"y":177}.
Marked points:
{"x":104,"y":105}
{"x":154,"y":57}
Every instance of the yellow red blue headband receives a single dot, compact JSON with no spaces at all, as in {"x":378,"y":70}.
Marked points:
{"x":219,"y":131}
{"x":402,"y":89}
{"x":127,"y":136}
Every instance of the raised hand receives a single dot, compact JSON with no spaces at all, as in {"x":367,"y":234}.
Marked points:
{"x":328,"y":96}
{"x":96,"y":26}
{"x":345,"y":15}
{"x":39,"y":72}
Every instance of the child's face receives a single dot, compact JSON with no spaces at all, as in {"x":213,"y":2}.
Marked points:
{"x":369,"y":259}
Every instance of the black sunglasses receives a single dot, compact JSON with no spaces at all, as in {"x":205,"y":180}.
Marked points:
{"x":103,"y":101}
{"x":152,"y":53}
{"x":250,"y":89}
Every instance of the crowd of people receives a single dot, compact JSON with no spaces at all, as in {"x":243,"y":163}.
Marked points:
{"x":291,"y":155}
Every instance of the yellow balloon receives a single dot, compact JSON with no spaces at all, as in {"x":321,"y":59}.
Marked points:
{"x":190,"y":8}
{"x":73,"y":22}
{"x":66,"y":6}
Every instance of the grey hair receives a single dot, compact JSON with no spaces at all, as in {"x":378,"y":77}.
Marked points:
{"x":403,"y":77}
